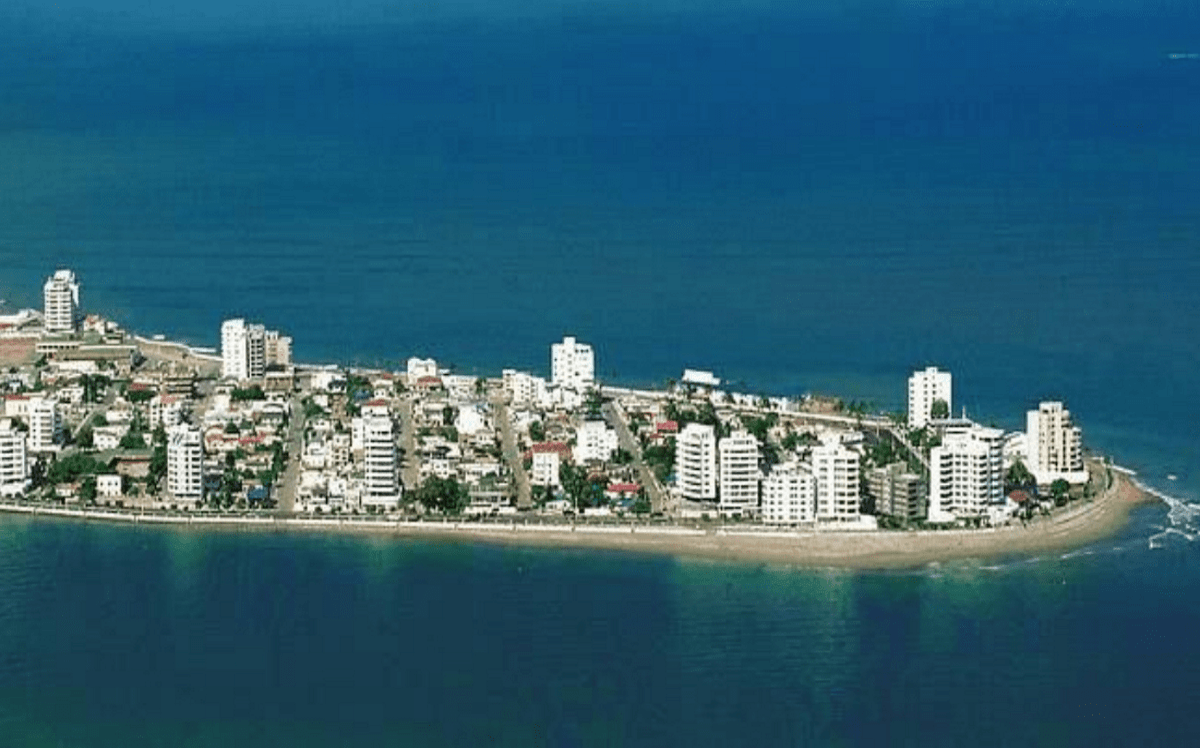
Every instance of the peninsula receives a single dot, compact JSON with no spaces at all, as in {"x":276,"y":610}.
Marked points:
{"x":102,"y":424}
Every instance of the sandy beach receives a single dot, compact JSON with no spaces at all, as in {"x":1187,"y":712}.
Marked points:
{"x":1073,"y":527}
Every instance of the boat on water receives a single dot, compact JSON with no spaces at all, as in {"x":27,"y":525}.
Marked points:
{"x":1172,"y":477}
{"x":1183,"y":56}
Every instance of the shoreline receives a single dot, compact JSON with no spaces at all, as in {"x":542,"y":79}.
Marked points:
{"x":1068,"y":529}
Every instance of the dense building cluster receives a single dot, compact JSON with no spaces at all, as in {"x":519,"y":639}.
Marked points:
{"x":92,"y":413}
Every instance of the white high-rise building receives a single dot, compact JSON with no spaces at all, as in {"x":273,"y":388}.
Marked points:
{"x":244,"y":349}
{"x":789,"y":495}
{"x":524,"y":389}
{"x":739,"y":474}
{"x":696,"y":462}
{"x":185,"y":463}
{"x":380,"y":487}
{"x":14,"y":462}
{"x":836,"y":469}
{"x":924,"y":387}
{"x":966,"y":474}
{"x":594,"y":440}
{"x":235,"y":356}
{"x":45,"y":425}
{"x":61,"y":297}
{"x":1054,"y":445}
{"x":572,"y":364}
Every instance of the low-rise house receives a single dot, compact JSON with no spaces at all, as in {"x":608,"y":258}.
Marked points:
{"x":108,"y":486}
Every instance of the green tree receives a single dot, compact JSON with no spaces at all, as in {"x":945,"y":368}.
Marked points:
{"x":939,"y":409}
{"x":160,"y":434}
{"x":537,"y":432}
{"x":85,"y":438}
{"x":446,"y":495}
{"x":99,"y":420}
{"x":87,"y":490}
{"x":1018,"y":476}
{"x":1060,"y":491}
{"x":132,"y":440}
{"x":158,"y":467}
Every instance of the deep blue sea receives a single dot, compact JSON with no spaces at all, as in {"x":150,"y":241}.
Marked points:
{"x":817,"y":199}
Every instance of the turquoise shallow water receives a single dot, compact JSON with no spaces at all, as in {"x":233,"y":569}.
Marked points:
{"x":798,"y":200}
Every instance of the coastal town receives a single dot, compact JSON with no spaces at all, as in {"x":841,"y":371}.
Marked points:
{"x":96,"y":416}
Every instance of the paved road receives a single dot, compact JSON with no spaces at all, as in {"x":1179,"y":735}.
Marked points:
{"x":508,"y":444}
{"x":294,"y":444}
{"x":410,"y":468}
{"x":660,"y":500}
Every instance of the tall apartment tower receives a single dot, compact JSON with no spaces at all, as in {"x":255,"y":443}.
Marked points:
{"x":739,"y":474}
{"x":966,"y":474}
{"x":572,"y":364}
{"x":14,"y":462}
{"x":1054,"y":444}
{"x":243,"y":350}
{"x":695,"y":462}
{"x":61,"y":297}
{"x":45,"y":424}
{"x":924,"y":387}
{"x":185,"y":464}
{"x":380,"y":487}
{"x":836,"y":469}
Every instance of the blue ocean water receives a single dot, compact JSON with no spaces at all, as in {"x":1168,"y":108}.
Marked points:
{"x":148,"y":636}
{"x":818,"y":199}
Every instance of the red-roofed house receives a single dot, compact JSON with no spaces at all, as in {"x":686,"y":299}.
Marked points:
{"x":618,"y":491}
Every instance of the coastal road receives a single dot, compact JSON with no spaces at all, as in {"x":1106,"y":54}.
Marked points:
{"x":508,"y":443}
{"x":660,"y":500}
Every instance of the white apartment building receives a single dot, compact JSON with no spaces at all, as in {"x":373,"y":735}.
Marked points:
{"x":380,"y":487}
{"x":235,"y":358}
{"x":1054,"y":445}
{"x":696,"y":462}
{"x":836,"y":469}
{"x":244,"y":349}
{"x":14,"y":462}
{"x":739,"y":474}
{"x":61,"y":297}
{"x":45,"y":425}
{"x":572,"y":364}
{"x":525,"y":390}
{"x":594,"y":440}
{"x":966,"y":474}
{"x":167,"y":410}
{"x":544,"y":470}
{"x":789,"y":495}
{"x":185,"y":463}
{"x":924,"y":387}
{"x":421,"y":367}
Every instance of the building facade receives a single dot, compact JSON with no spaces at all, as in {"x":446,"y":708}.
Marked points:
{"x":45,"y":425}
{"x":244,"y":349}
{"x":696,"y":462}
{"x":1054,"y":445}
{"x":594,"y":441}
{"x":572,"y":364}
{"x":14,"y":461}
{"x":61,"y":298}
{"x":380,"y":486}
{"x":966,"y":474}
{"x":185,"y":463}
{"x":739,"y":474}
{"x":836,"y":469}
{"x":896,"y":491}
{"x":924,"y":388}
{"x":789,"y":495}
